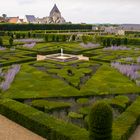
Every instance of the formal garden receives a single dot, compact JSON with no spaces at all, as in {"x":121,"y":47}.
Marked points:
{"x":55,"y":99}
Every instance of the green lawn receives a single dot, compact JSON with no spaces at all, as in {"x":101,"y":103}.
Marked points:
{"x":109,"y":81}
{"x":32,"y":83}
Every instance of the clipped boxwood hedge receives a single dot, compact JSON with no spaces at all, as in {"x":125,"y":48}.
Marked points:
{"x":41,"y":123}
{"x":75,"y":115}
{"x":126,"y":123}
{"x":119,"y":102}
{"x":25,"y":60}
{"x":50,"y":105}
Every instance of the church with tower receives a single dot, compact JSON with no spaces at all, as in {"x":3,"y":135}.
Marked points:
{"x":54,"y":17}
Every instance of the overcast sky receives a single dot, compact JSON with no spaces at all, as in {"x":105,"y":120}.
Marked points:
{"x":77,"y":11}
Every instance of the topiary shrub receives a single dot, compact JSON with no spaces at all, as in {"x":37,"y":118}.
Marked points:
{"x":100,"y":122}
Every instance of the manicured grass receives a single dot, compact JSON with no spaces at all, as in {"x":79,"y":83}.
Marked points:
{"x":75,"y":76}
{"x":109,"y":81}
{"x":32,"y":83}
{"x":59,"y":45}
{"x":110,"y":55}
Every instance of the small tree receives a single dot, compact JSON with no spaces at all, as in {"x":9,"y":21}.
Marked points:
{"x":4,"y":16}
{"x":34,"y":35}
{"x":53,"y":38}
{"x":46,"y":38}
{"x":12,"y":35}
{"x":118,"y":42}
{"x":23,"y":35}
{"x":125,"y":41}
{"x":113,"y":42}
{"x":84,"y":39}
{"x":11,"y":41}
{"x":73,"y":37}
{"x":64,"y":38}
{"x":100,"y":122}
{"x":18,"y":36}
{"x":1,"y":41}
{"x":108,"y":42}
{"x":104,"y":43}
{"x":29,"y":34}
{"x":57,"y":38}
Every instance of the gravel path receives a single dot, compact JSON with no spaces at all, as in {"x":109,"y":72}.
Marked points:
{"x":136,"y":135}
{"x":10,"y":130}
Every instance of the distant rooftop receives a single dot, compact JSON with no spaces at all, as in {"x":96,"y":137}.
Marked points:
{"x":13,"y":19}
{"x":30,"y":18}
{"x":130,"y":26}
{"x":54,"y":9}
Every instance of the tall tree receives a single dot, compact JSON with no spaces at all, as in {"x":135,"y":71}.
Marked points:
{"x":4,"y":16}
{"x":11,"y":41}
{"x":100,"y":122}
{"x":1,"y":41}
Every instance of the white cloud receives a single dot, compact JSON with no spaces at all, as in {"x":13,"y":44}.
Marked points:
{"x":89,"y":11}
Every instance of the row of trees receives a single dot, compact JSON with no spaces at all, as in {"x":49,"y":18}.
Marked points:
{"x":117,"y":41}
{"x":20,"y":35}
{"x":87,"y":38}
{"x":58,"y":38}
{"x":10,"y":41}
{"x":47,"y":37}
{"x":28,"y":27}
{"x":108,"y":41}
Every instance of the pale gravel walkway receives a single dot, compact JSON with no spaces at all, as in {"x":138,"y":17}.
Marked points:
{"x":10,"y":130}
{"x":136,"y":135}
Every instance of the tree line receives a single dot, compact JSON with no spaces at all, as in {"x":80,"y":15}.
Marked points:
{"x":27,"y":27}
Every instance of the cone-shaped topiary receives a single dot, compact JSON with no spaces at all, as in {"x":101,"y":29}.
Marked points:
{"x":100,"y":122}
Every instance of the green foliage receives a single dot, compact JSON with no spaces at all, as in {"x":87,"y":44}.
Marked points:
{"x":127,"y":122}
{"x":84,"y":39}
{"x":1,"y":41}
{"x":73,"y":37}
{"x":119,"y":102}
{"x":84,"y":110}
{"x":108,"y":42}
{"x":111,"y":40}
{"x":100,"y":122}
{"x":11,"y":41}
{"x":27,"y":27}
{"x":125,"y":41}
{"x":29,"y":34}
{"x":2,"y":78}
{"x":46,"y":38}
{"x":75,"y":115}
{"x":118,"y":41}
{"x":18,"y":35}
{"x":49,"y":105}
{"x":41,"y":123}
{"x":83,"y":100}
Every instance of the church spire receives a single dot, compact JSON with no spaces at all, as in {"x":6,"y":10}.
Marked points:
{"x":54,"y":10}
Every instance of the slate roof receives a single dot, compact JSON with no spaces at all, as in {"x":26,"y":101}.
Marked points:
{"x":30,"y":18}
{"x":130,"y":26}
{"x":54,"y":9}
